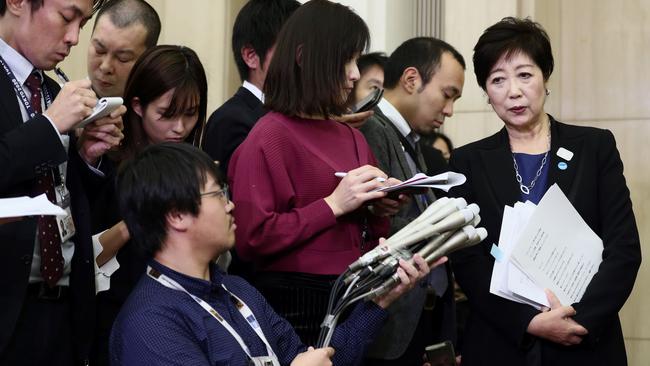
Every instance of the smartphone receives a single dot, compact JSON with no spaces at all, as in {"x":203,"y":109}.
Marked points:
{"x":369,"y":102}
{"x":103,"y":108}
{"x":441,"y":354}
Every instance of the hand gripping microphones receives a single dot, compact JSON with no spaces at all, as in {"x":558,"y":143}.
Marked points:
{"x":447,"y":225}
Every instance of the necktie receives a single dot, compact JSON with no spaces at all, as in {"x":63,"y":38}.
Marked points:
{"x":438,"y":279}
{"x":48,"y":231}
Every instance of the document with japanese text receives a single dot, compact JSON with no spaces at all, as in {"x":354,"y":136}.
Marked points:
{"x":557,"y":249}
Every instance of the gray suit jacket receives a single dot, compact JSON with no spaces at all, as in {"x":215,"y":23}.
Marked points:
{"x":405,"y":312}
{"x":391,"y":157}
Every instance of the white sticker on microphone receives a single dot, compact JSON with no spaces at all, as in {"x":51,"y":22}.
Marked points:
{"x":564,"y":154}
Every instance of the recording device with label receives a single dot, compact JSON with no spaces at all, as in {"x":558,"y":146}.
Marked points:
{"x":103,"y":108}
{"x":441,"y":354}
{"x":369,"y":102}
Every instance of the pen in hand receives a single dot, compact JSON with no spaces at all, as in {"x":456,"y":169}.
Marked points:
{"x":63,"y":78}
{"x":343,"y":174}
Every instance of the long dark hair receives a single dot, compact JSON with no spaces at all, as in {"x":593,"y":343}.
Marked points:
{"x":307,"y":73}
{"x":157,"y":71}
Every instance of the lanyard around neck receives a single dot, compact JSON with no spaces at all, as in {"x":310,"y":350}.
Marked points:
{"x":241,"y":307}
{"x":20,"y":92}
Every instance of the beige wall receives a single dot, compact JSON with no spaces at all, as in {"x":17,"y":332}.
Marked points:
{"x":603,"y":81}
{"x":203,"y":25}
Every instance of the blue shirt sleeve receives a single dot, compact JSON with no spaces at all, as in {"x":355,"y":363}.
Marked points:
{"x":151,"y":337}
{"x":352,"y":337}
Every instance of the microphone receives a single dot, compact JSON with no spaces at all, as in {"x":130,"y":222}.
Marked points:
{"x":445,"y":226}
{"x":477,"y":220}
{"x":454,"y":219}
{"x":433,"y":214}
{"x":434,"y":243}
{"x":457,"y":242}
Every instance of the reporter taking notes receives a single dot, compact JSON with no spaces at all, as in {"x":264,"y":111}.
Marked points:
{"x":47,"y":277}
{"x":293,"y":211}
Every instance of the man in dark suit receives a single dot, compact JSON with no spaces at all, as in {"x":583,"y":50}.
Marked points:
{"x":122,"y":32}
{"x":253,"y":43}
{"x":422,"y":79}
{"x":46,"y":267}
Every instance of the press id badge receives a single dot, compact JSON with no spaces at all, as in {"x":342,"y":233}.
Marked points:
{"x":64,"y":223}
{"x":264,"y":361}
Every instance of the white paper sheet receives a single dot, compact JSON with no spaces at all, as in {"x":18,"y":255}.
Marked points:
{"x":28,"y":206}
{"x":507,"y":280}
{"x":443,"y":181}
{"x":557,"y":249}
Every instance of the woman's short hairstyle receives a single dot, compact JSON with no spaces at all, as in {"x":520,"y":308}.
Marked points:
{"x":157,"y":71}
{"x":509,"y":37}
{"x":161,"y":179}
{"x":307,"y":73}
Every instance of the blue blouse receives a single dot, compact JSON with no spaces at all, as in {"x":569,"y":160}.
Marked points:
{"x":528,"y":166}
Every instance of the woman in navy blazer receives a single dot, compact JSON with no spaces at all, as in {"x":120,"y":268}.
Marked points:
{"x":513,"y":62}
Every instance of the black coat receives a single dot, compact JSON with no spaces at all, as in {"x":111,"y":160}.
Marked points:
{"x":25,"y":149}
{"x":229,"y":125}
{"x":595,"y":185}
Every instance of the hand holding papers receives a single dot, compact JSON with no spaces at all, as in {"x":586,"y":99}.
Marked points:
{"x":28,"y":206}
{"x":443,"y":181}
{"x":555,"y":249}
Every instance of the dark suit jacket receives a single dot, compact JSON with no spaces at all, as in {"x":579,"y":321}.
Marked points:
{"x":436,"y":163}
{"x":25,"y":149}
{"x":405,"y":312}
{"x":229,"y":125}
{"x":595,"y":185}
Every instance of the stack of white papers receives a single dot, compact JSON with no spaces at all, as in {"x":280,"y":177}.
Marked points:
{"x":544,"y":246}
{"x":28,"y":206}
{"x":442,"y":181}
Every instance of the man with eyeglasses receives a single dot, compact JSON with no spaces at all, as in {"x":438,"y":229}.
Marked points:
{"x":185,"y":310}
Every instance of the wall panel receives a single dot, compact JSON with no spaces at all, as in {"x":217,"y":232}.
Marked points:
{"x":203,"y":25}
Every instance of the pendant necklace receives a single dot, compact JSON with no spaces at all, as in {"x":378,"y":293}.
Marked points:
{"x":523,"y":188}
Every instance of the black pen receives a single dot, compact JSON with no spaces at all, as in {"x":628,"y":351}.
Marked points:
{"x":63,"y":78}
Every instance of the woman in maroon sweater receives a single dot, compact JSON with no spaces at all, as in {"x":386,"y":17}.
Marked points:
{"x":297,"y":222}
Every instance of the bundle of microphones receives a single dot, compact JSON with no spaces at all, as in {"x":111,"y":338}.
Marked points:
{"x":447,"y":225}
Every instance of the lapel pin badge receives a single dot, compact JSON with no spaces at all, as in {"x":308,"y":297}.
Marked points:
{"x":564,"y":154}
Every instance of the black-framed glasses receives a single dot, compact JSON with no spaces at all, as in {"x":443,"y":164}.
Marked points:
{"x":222,"y":194}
